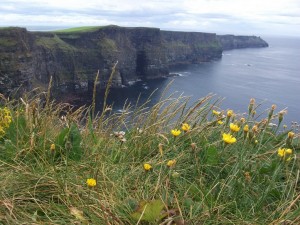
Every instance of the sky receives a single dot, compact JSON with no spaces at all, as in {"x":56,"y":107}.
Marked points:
{"x":249,"y":17}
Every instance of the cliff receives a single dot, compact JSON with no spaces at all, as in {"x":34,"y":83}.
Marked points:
{"x":73,"y":57}
{"x":233,"y":42}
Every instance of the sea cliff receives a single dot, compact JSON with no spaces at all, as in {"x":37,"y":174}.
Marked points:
{"x":229,"y":42}
{"x":73,"y":57}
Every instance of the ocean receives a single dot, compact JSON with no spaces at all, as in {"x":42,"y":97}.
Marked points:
{"x":270,"y":75}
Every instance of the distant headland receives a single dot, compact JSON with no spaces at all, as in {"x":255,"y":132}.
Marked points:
{"x":73,"y":56}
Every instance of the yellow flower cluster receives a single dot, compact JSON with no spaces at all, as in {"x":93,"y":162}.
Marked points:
{"x":285,"y":153}
{"x":185,"y":127}
{"x":5,"y":120}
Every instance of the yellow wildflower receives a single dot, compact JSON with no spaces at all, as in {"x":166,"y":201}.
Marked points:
{"x":147,"y":166}
{"x":220,"y":122}
{"x":234,"y":127}
{"x":216,"y":113}
{"x":284,"y":153}
{"x":176,"y":132}
{"x":171,"y":163}
{"x":91,"y":182}
{"x":185,"y":127}
{"x":246,"y":128}
{"x":227,"y":138}
{"x":230,"y":113}
{"x":52,"y":147}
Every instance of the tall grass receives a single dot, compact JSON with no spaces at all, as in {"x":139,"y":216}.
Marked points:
{"x":48,"y":151}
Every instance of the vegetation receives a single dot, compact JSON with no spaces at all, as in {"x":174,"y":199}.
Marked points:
{"x":107,"y":47}
{"x":206,"y":46}
{"x":54,"y":42}
{"x":9,"y":28}
{"x":6,"y":42}
{"x":79,"y":29}
{"x":168,"y":164}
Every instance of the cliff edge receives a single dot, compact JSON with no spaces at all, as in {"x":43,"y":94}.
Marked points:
{"x":229,"y":42}
{"x":73,"y":56}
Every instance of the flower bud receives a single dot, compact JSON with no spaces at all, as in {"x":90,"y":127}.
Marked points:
{"x":229,"y":113}
{"x":291,"y":135}
{"x":52,"y":147}
{"x":175,"y":174}
{"x":160,"y":148}
{"x":280,"y":116}
{"x":246,"y":128}
{"x":255,"y":129}
{"x":251,"y":105}
{"x":247,"y":176}
{"x":193,"y":145}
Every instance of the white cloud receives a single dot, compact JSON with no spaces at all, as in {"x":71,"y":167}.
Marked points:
{"x":235,"y":16}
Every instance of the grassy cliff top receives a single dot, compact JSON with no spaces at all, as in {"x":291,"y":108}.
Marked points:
{"x":10,"y":28}
{"x":79,"y":29}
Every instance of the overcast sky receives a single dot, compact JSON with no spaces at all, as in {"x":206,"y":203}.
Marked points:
{"x":257,"y":17}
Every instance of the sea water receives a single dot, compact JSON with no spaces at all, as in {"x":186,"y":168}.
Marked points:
{"x":270,"y":75}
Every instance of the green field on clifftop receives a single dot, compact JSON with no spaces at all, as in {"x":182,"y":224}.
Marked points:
{"x":78,"y":29}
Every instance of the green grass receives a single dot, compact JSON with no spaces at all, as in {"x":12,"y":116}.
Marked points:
{"x":79,"y":29}
{"x":54,"y":42}
{"x":211,"y":182}
{"x":210,"y":45}
{"x":9,"y":28}
{"x":7,"y":42}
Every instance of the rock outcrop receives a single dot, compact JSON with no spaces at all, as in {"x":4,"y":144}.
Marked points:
{"x":72,"y":58}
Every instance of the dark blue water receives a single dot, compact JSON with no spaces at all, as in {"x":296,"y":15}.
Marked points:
{"x":270,"y":75}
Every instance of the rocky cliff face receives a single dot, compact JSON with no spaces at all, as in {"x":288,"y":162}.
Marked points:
{"x":16,"y":69}
{"x":29,"y":59}
{"x":232,"y":42}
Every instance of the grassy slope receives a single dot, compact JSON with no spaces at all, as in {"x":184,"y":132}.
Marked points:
{"x":79,"y":29}
{"x":210,"y":183}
